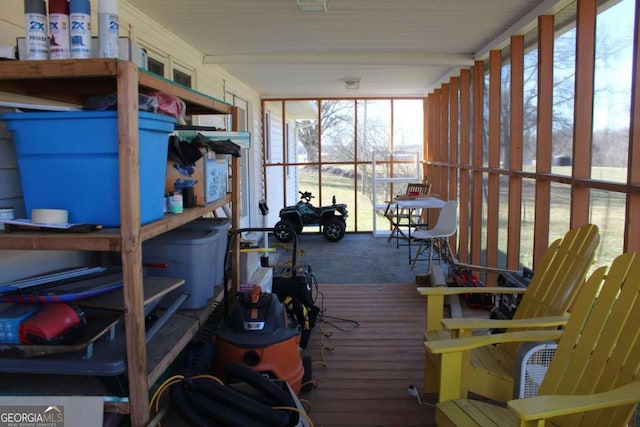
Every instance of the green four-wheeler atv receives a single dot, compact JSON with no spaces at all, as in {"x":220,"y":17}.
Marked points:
{"x":332,"y":219}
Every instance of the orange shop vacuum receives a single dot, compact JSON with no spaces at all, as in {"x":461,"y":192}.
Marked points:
{"x":257,"y":331}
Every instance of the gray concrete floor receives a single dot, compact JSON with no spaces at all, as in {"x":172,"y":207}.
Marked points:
{"x":357,"y":258}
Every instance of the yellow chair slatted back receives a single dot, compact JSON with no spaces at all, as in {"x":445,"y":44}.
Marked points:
{"x":598,"y":352}
{"x":600,"y":346}
{"x":562,"y":271}
{"x":558,"y":278}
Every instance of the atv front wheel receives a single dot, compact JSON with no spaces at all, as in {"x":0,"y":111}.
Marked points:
{"x":334,"y":229}
{"x":283,"y":231}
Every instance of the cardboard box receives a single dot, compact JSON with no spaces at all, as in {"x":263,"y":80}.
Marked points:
{"x":211,"y":173}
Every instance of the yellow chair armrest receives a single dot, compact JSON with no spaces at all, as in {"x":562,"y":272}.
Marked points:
{"x":453,"y":352}
{"x":435,"y":300}
{"x":456,"y":345}
{"x":462,"y":324}
{"x":542,"y":407}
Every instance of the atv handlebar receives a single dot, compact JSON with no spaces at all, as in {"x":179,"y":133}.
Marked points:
{"x":306,"y":196}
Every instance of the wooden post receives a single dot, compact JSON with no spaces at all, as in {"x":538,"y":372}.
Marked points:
{"x":128,"y":147}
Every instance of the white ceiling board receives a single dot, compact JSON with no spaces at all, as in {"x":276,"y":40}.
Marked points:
{"x":396,"y":47}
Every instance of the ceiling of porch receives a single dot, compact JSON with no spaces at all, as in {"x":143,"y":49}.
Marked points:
{"x":399,"y":48}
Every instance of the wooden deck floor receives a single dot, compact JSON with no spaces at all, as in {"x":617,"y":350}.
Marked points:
{"x":365,"y":380}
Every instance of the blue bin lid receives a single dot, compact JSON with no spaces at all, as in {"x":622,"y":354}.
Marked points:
{"x":167,"y":122}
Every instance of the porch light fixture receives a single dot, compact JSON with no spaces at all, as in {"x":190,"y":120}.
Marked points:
{"x":313,"y":5}
{"x":352,"y":84}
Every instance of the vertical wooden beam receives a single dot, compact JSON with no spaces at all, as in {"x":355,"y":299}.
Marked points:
{"x":583,"y":108}
{"x":392,"y":117}
{"x":516,"y":118}
{"x":425,"y":138}
{"x":235,"y":118}
{"x":431,"y":142}
{"x":131,"y":253}
{"x":454,"y":117}
{"x":235,"y":206}
{"x":453,"y":149}
{"x":463,"y":226}
{"x":493,"y":190}
{"x":495,"y":82}
{"x":319,"y":127}
{"x":264,"y":150}
{"x":283,"y":124}
{"x":436,"y":146}
{"x":444,"y":141}
{"x":632,"y":223}
{"x":356,"y":155}
{"x":544,"y":128}
{"x":430,"y":171}
{"x":476,"y":161}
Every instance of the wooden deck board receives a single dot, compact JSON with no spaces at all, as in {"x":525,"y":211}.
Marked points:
{"x":367,"y":373}
{"x":370,"y":367}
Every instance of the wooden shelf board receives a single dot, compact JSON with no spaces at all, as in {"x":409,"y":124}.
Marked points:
{"x":89,"y":77}
{"x":99,"y":322}
{"x":154,"y":288}
{"x":70,"y":68}
{"x":196,"y":102}
{"x":104,"y":240}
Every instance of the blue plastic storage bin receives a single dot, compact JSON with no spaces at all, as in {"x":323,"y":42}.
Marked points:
{"x":69,"y":160}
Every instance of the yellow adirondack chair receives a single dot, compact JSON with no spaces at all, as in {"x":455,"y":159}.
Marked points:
{"x":592,"y":379}
{"x":557,"y":279}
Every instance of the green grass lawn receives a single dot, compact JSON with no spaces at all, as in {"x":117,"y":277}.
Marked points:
{"x":607,"y":209}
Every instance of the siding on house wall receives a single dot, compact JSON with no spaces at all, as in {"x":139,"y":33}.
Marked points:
{"x":209,"y":79}
{"x":20,"y":264}
{"x":10,"y":189}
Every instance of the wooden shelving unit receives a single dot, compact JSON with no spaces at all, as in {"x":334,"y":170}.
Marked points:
{"x":73,"y":81}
